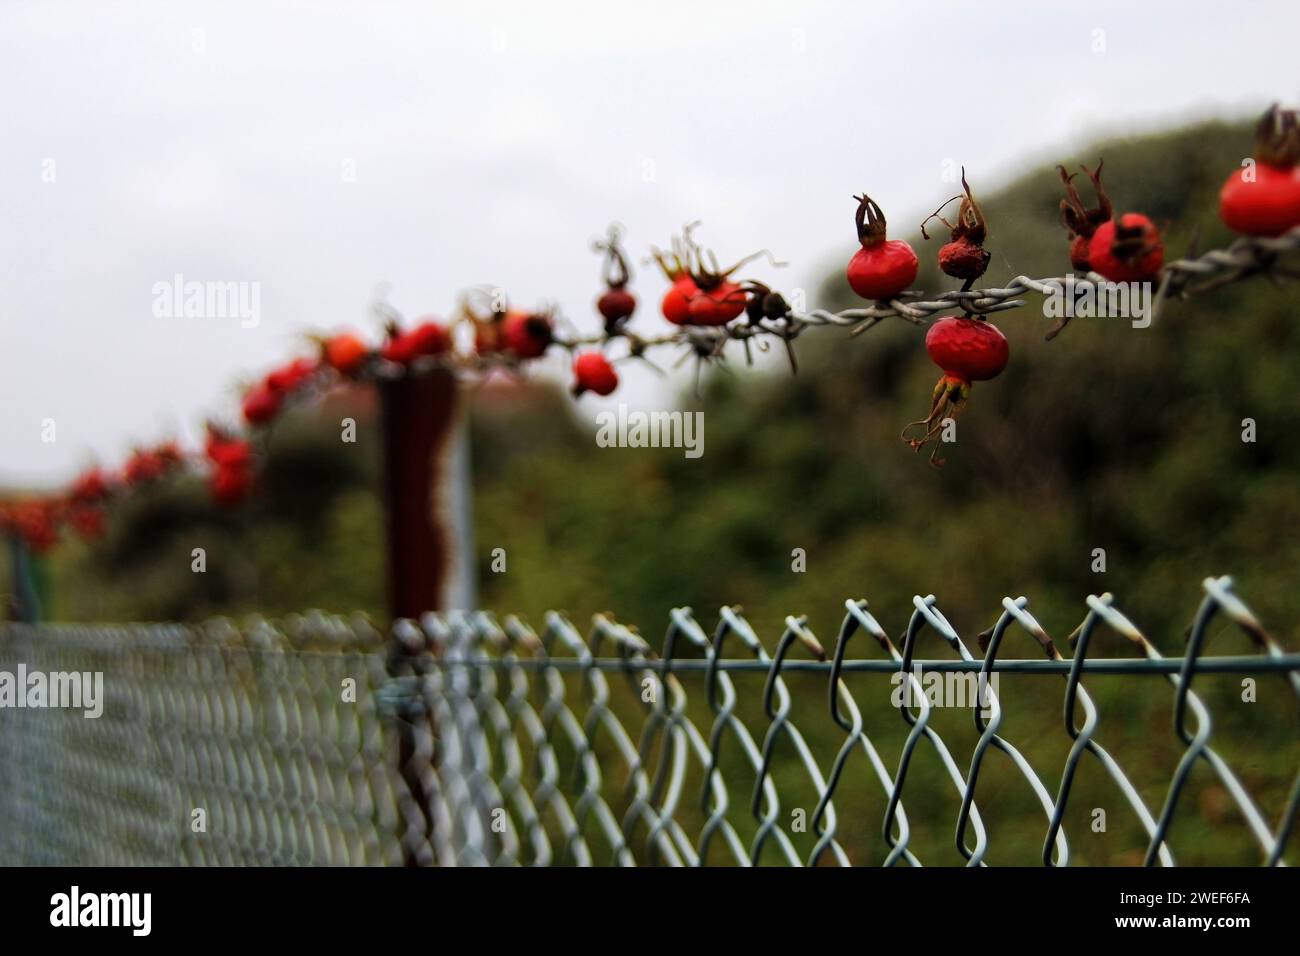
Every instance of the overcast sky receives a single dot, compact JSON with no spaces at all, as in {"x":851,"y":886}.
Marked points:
{"x":319,"y":150}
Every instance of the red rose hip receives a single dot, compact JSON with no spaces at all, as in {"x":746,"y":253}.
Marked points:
{"x":1127,"y":249}
{"x":592,"y":372}
{"x":1264,"y":199}
{"x":968,"y":350}
{"x":883,"y":267}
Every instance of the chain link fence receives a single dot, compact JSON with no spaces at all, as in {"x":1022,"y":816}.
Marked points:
{"x":215,"y":745}
{"x":462,"y":739}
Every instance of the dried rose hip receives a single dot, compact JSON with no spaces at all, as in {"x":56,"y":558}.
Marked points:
{"x":963,"y":256}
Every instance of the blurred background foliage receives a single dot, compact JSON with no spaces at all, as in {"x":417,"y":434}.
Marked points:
{"x":1107,"y":437}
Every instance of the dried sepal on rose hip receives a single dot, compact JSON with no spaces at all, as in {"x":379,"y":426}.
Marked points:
{"x":592,"y":372}
{"x":764,"y":302}
{"x":967,"y":350}
{"x":616,"y":304}
{"x":676,"y":266}
{"x":963,"y":256}
{"x":883,"y":267}
{"x":767,"y":305}
{"x":1079,"y":220}
{"x":1263,"y":199}
{"x":486,"y":321}
{"x":702,"y":292}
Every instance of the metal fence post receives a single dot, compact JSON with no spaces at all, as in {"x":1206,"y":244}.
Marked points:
{"x":25,"y":599}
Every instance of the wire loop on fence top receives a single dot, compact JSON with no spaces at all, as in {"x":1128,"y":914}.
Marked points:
{"x":1197,"y":741}
{"x":859,"y":618}
{"x":478,"y":741}
{"x":985,"y":697}
{"x":925,"y":613}
{"x":1083,"y":741}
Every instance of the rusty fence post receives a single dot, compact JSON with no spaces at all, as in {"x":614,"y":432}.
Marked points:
{"x":417,"y":418}
{"x":425,"y":490}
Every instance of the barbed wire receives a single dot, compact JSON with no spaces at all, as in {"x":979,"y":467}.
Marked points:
{"x":1182,"y":278}
{"x":35,"y":520}
{"x":1195,"y":274}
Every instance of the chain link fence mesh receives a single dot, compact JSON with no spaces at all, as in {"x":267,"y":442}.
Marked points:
{"x":464,"y":739}
{"x":247,"y":726}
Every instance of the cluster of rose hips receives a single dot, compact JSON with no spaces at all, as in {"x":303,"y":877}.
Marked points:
{"x":967,"y":349}
{"x":34,"y":522}
{"x":1123,"y":248}
{"x":229,"y":458}
{"x":38,"y":522}
{"x":1262,"y":199}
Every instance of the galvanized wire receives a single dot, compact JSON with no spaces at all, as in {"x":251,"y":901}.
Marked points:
{"x":477,"y":741}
